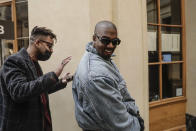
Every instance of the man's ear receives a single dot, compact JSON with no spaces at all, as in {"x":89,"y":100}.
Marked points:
{"x":36,"y":43}
{"x":94,"y":37}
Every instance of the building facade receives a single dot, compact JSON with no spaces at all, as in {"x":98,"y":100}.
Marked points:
{"x":157,"y":56}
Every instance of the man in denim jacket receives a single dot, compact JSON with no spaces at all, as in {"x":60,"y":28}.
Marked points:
{"x":102,"y":102}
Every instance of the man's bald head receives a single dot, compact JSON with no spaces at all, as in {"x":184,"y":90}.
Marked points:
{"x":104,"y":25}
{"x":105,"y":39}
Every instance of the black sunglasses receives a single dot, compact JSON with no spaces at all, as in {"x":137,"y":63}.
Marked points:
{"x":105,"y":40}
{"x":50,"y":45}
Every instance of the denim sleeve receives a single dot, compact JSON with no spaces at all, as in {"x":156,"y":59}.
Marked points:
{"x":107,"y":102}
{"x":127,"y":99}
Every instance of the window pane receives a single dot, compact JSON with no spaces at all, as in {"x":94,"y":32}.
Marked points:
{"x":23,"y":43}
{"x":22,"y":19}
{"x":154,"y":83}
{"x":170,"y":12}
{"x":152,"y":11}
{"x":172,"y":80}
{"x":5,"y":12}
{"x":6,"y":49}
{"x":171,"y":44}
{"x":153,"y":55}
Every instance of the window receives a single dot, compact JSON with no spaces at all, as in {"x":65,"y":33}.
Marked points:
{"x":22,"y":23}
{"x":166,"y":49}
{"x":6,"y":46}
{"x":14,"y":13}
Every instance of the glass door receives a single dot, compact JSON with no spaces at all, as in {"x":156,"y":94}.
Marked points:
{"x":166,"y":50}
{"x":14,"y":29}
{"x":6,"y":41}
{"x":166,"y":64}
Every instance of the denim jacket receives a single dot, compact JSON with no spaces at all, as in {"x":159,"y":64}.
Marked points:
{"x":102,"y":101}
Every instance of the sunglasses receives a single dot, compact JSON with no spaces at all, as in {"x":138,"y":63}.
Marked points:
{"x":49,"y":45}
{"x":105,"y":40}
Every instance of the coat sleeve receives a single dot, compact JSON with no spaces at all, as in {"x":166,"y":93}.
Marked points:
{"x":108,"y":105}
{"x":58,"y":86}
{"x":19,"y":85}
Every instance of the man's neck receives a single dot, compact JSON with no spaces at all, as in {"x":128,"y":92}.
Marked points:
{"x":32,"y":53}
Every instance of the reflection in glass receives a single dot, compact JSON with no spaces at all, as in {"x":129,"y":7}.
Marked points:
{"x":154,"y":83}
{"x":5,"y":12}
{"x":171,"y":44}
{"x":6,"y":46}
{"x":22,"y":19}
{"x":172,"y":80}
{"x":22,"y":23}
{"x":6,"y":49}
{"x":170,"y":12}
{"x":153,"y":55}
{"x":23,"y":43}
{"x":151,"y":11}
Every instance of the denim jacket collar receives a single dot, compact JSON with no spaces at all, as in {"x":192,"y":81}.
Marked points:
{"x":90,"y":48}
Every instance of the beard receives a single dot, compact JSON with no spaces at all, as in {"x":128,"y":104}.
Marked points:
{"x":44,"y":56}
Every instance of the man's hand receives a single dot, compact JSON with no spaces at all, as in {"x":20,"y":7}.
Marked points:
{"x":59,"y":69}
{"x":66,"y":78}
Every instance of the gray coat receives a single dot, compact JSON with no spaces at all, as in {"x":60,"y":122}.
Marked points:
{"x":102,"y":101}
{"x":20,"y":88}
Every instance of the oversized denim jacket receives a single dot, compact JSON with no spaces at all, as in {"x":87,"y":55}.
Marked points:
{"x":101,"y":97}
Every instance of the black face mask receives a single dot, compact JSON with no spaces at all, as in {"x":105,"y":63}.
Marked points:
{"x":45,"y":56}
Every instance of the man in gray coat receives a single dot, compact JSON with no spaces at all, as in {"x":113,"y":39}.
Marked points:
{"x":102,"y":101}
{"x":24,"y":89}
